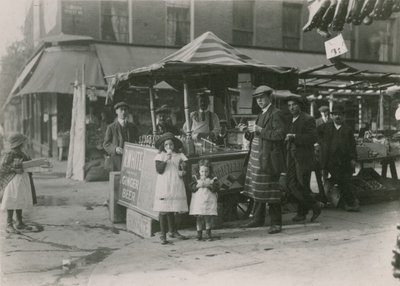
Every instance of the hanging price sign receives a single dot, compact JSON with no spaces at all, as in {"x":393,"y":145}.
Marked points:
{"x":335,"y":47}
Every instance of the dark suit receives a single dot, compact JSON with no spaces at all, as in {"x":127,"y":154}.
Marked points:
{"x":300,"y":159}
{"x":116,"y":136}
{"x":265,"y":165}
{"x":338,"y":149}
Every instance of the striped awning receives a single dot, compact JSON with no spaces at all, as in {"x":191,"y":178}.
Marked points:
{"x":202,"y":54}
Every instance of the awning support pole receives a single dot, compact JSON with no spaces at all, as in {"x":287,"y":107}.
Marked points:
{"x":359,"y":112}
{"x":153,"y":115}
{"x":381,"y":127}
{"x":186,"y":107}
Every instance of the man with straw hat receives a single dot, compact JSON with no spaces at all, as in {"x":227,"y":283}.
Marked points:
{"x":117,"y":133}
{"x":266,"y":161}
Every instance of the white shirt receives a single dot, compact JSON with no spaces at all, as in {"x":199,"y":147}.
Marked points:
{"x":295,"y":118}
{"x":397,"y":114}
{"x":265,"y":109}
{"x":122,"y":122}
{"x":337,"y":126}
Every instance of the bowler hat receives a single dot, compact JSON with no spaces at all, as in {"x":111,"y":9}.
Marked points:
{"x":168,"y":136}
{"x":121,"y":104}
{"x":323,"y":108}
{"x":337,"y":109}
{"x":16,"y":140}
{"x":163,"y":109}
{"x":262,"y":90}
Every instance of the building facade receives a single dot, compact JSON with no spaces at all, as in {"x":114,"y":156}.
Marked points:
{"x":273,"y":24}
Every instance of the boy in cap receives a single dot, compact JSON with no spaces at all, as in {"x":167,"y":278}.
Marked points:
{"x":339,"y":155}
{"x":117,"y":133}
{"x":302,"y":135}
{"x":266,"y":161}
{"x":324,"y":111}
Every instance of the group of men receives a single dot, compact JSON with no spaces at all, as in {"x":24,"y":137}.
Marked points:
{"x":203,"y":124}
{"x":280,"y":146}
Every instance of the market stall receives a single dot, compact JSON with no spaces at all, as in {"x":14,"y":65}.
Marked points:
{"x":207,"y":62}
{"x":368,"y":98}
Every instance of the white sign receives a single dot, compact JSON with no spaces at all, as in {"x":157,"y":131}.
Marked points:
{"x":335,"y":47}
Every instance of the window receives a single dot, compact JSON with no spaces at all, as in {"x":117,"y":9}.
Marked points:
{"x":178,"y":23}
{"x":243,"y":23}
{"x":114,"y":21}
{"x":291,"y":23}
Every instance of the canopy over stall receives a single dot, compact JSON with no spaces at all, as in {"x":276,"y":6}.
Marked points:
{"x":205,"y":56}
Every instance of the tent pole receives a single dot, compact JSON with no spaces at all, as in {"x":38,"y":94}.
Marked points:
{"x":186,"y":107}
{"x":153,"y":115}
{"x":381,"y":127}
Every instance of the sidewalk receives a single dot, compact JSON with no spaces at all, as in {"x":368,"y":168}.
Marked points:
{"x":342,"y":249}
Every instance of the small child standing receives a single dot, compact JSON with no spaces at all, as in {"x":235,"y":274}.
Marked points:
{"x":204,"y":200}
{"x":170,"y":193}
{"x":16,"y":184}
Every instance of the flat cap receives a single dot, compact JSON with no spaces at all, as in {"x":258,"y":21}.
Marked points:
{"x":323,"y":108}
{"x":262,"y":90}
{"x":121,"y":104}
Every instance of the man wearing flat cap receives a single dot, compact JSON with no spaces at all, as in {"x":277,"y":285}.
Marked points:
{"x":339,"y":155}
{"x":324,"y":111}
{"x":266,"y":161}
{"x":204,"y":123}
{"x":164,"y":121}
{"x":117,"y":133}
{"x":302,"y":135}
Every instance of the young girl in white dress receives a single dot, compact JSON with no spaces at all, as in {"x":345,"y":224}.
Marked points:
{"x":170,"y":193}
{"x":204,"y":199}
{"x":16,"y":184}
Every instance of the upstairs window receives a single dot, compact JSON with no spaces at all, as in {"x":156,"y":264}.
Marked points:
{"x":243,"y":22}
{"x":115,"y":21}
{"x":178,"y":23}
{"x":291,"y":23}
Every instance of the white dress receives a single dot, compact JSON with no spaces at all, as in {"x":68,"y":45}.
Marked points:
{"x":170,"y":193}
{"x":204,"y":202}
{"x":17,"y":194}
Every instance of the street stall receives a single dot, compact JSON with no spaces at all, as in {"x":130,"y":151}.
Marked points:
{"x":205,"y":63}
{"x":368,"y":99}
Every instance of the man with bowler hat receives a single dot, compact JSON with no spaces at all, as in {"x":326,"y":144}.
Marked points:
{"x":117,"y":133}
{"x":266,"y":161}
{"x":339,"y":155}
{"x":302,"y":135}
{"x":164,"y":121}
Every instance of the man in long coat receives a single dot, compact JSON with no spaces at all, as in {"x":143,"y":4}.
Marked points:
{"x":117,"y":133}
{"x":266,"y":161}
{"x":302,"y":135}
{"x":339,"y":155}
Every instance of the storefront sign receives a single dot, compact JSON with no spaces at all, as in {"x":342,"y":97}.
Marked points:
{"x":138,"y":179}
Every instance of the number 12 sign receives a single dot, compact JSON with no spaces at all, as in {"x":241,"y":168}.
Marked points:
{"x":335,"y":47}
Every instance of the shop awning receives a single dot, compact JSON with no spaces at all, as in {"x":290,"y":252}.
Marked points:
{"x":58,"y":68}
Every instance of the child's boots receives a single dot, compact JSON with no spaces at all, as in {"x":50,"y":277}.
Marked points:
{"x":20,"y":225}
{"x":208,"y":233}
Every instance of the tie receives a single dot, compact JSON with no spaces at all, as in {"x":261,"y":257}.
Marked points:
{"x":203,"y":116}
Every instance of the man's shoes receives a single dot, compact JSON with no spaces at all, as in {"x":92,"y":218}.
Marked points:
{"x":253,"y":224}
{"x":317,"y":209}
{"x":299,"y":218}
{"x":274,"y":229}
{"x":163,"y":239}
{"x":352,"y":208}
{"x":22,"y":226}
{"x":177,"y":235}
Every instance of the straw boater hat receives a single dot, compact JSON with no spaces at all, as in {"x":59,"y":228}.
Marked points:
{"x":16,"y":140}
{"x":163,"y":109}
{"x":323,"y":108}
{"x":168,"y":136}
{"x":121,"y":104}
{"x":262,"y":90}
